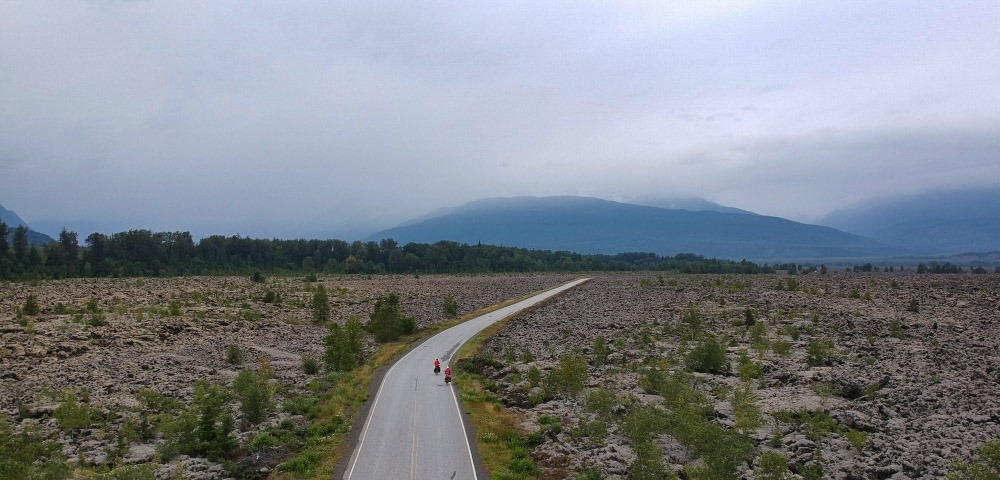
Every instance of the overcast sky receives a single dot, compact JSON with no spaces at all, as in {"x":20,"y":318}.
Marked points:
{"x":312,"y":119}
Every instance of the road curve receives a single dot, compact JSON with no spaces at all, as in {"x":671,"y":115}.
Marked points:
{"x":414,"y":428}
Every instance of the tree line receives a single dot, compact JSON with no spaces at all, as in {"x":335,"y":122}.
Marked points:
{"x":138,"y":253}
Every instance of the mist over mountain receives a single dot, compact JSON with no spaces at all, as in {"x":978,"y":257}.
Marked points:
{"x":939,"y":222}
{"x":13,"y":220}
{"x":591,"y":225}
{"x":691,"y":203}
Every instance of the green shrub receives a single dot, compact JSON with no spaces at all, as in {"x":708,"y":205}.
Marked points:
{"x":72,"y":414}
{"x":344,"y":346}
{"x":818,"y":352}
{"x":858,"y":438}
{"x":596,"y":430}
{"x":526,"y":356}
{"x":600,"y":401}
{"x":745,"y":409}
{"x":758,"y":337}
{"x":781,"y":347}
{"x":92,"y":306}
{"x":254,"y":394}
{"x":262,"y":441}
{"x":303,"y":465}
{"x":534,"y":376}
{"x":986,"y":464}
{"x":749,"y":369}
{"x":648,"y":463}
{"x":790,"y":330}
{"x":896,"y":329}
{"x":320,"y":305}
{"x":709,"y":356}
{"x":257,"y":277}
{"x":550,"y":423}
{"x":592,"y":473}
{"x":309,"y":365}
{"x":772,"y":466}
{"x":748,"y":318}
{"x":29,"y":455}
{"x":914,"y":305}
{"x":450,"y":306}
{"x":234,"y":355}
{"x":97,"y":319}
{"x":174,"y":308}
{"x":31,"y":306}
{"x":571,"y":375}
{"x":203,"y":429}
{"x":299,"y":405}
{"x":387,"y":322}
{"x":600,"y":350}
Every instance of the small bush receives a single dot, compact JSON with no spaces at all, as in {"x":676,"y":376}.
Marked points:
{"x":534,"y":376}
{"x":254,"y":394}
{"x":913,"y":306}
{"x":320,"y":305}
{"x":748,"y":369}
{"x":896,"y":329}
{"x":450,"y":306}
{"x":772,"y":466}
{"x":571,"y":375}
{"x":387,"y":323}
{"x":709,"y":356}
{"x":309,"y":365}
{"x":818,"y":352}
{"x":781,"y":347}
{"x":29,"y":455}
{"x":261,"y":441}
{"x":234,"y":355}
{"x":71,"y":414}
{"x":858,"y":438}
{"x":97,"y":319}
{"x":600,"y":350}
{"x":174,"y":308}
{"x":31,"y":306}
{"x":92,"y":306}
{"x":257,"y":277}
{"x":986,"y":464}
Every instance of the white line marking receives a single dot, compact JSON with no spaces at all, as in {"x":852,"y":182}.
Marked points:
{"x":368,"y":422}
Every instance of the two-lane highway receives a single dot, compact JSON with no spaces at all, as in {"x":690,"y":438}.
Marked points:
{"x":414,"y":428}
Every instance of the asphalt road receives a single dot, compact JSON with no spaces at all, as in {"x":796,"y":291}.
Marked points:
{"x":414,"y":428}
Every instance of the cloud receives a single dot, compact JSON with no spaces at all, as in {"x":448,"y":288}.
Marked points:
{"x":312,"y":119}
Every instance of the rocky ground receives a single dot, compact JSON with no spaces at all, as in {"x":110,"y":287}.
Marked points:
{"x":908,"y":381}
{"x":165,"y":334}
{"x":906,"y":391}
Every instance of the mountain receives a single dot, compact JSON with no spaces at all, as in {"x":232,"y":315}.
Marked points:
{"x":940,"y":222}
{"x":591,"y":225}
{"x":694,"y":204}
{"x":13,"y":221}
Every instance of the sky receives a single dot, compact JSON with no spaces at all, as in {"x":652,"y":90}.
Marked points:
{"x":337,"y":119}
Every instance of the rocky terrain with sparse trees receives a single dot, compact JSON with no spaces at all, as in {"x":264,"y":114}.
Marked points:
{"x":112,"y":376}
{"x":842,"y":375}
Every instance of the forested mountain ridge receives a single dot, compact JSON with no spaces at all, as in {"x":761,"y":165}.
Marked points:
{"x":12,"y":220}
{"x":595,"y":226}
